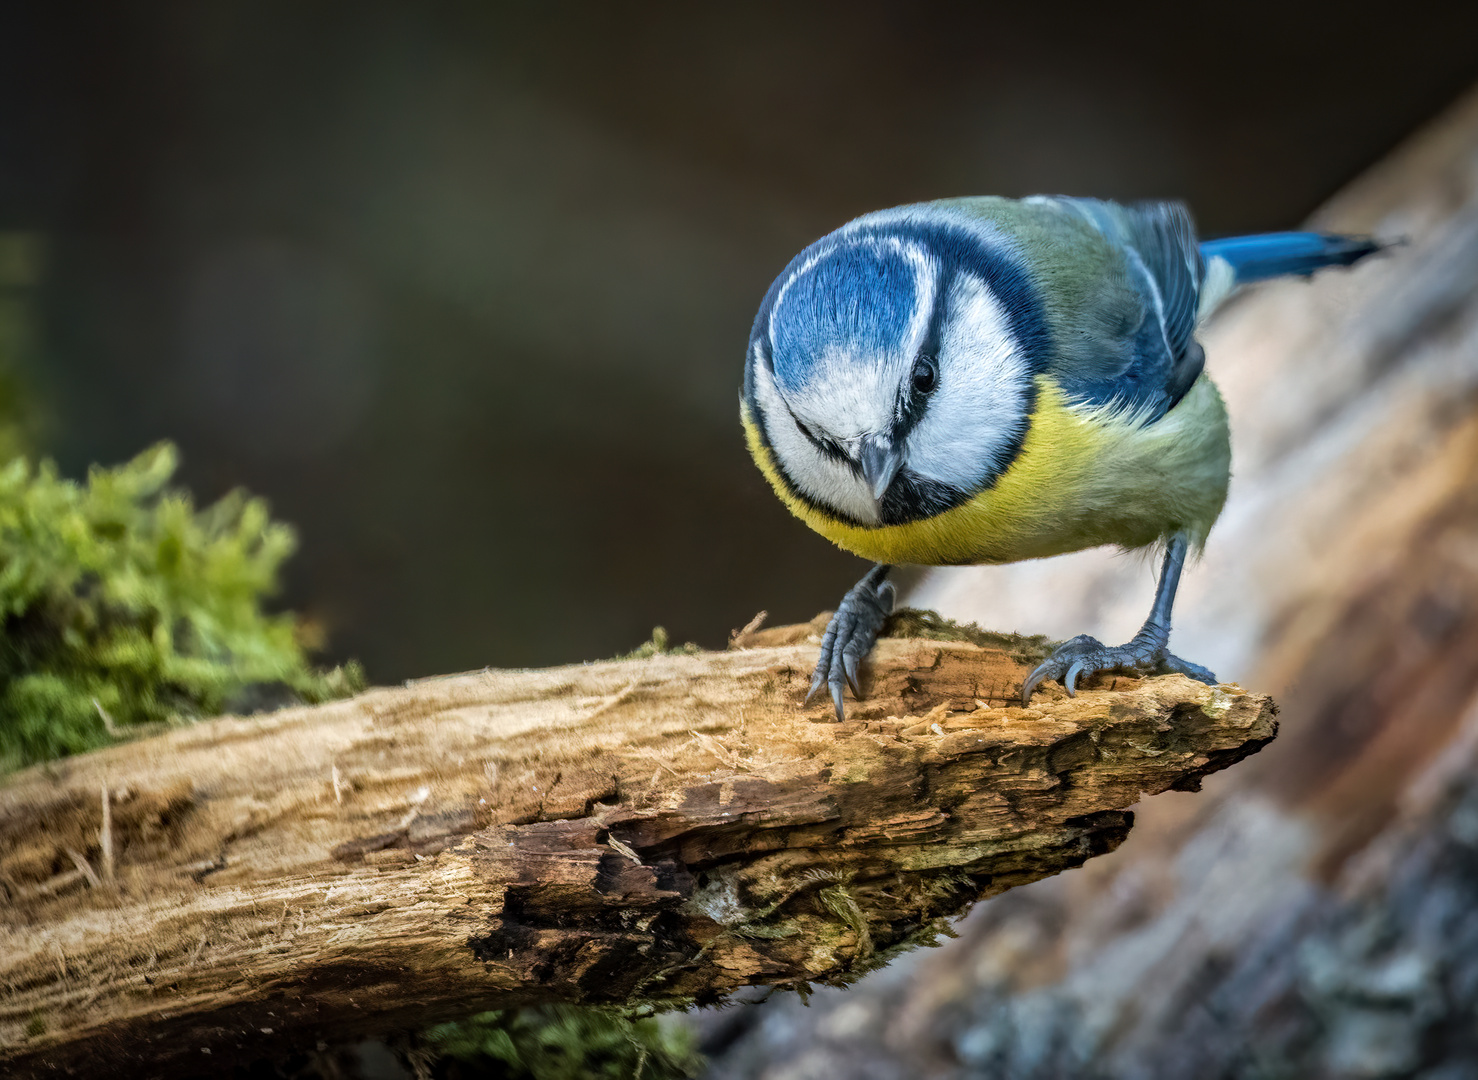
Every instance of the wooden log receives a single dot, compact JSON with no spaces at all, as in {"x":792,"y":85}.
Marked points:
{"x":670,"y":828}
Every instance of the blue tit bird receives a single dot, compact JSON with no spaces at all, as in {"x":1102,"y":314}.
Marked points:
{"x":986,"y":380}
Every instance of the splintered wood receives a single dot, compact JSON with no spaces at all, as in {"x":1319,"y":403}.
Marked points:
{"x":669,"y":828}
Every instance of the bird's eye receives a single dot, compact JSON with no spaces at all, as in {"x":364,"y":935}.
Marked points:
{"x":925,"y":376}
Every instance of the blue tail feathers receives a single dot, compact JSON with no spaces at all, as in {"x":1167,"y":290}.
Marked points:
{"x":1255,"y":258}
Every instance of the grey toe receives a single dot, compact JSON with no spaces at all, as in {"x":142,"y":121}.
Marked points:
{"x":1083,"y":656}
{"x":1174,"y":664}
{"x":850,"y":636}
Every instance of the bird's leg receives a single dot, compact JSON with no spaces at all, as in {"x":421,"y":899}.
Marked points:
{"x":1146,"y":653}
{"x":851,"y":634}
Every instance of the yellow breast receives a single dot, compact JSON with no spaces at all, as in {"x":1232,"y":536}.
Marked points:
{"x":1085,"y":476}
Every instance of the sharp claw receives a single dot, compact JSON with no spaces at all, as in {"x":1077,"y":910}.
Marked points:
{"x":1033,"y":681}
{"x":887,"y":597}
{"x":849,"y":669}
{"x":1070,"y":680}
{"x":850,"y":636}
{"x":1084,"y":656}
{"x":816,"y":683}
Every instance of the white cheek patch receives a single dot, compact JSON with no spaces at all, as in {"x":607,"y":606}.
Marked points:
{"x":819,"y":478}
{"x":984,"y":388}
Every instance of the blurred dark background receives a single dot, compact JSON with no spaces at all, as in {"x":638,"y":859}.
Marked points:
{"x":463,"y":289}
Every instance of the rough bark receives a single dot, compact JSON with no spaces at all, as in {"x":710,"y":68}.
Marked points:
{"x":667,"y":828}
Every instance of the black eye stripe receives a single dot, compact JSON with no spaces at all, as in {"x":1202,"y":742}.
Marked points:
{"x":829,"y":447}
{"x":913,"y":398}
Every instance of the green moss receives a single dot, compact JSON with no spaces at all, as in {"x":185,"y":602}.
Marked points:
{"x":913,"y":623}
{"x":123,"y":605}
{"x":925,"y":936}
{"x":659,"y":645}
{"x":773,"y":931}
{"x":563,"y":1042}
{"x":841,"y":903}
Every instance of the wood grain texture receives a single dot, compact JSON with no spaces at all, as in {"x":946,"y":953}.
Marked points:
{"x":669,"y":828}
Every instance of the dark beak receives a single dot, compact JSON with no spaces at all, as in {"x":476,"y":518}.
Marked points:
{"x":880,"y":463}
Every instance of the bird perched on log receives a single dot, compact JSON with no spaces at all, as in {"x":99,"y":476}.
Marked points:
{"x":985,"y":380}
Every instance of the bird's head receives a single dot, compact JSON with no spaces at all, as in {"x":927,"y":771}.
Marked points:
{"x":890,"y":368}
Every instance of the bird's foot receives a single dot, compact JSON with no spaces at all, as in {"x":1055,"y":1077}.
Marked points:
{"x":850,"y":636}
{"x":1146,"y":654}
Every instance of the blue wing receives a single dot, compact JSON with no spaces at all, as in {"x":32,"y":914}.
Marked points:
{"x":1167,"y":269}
{"x":1138,"y":349}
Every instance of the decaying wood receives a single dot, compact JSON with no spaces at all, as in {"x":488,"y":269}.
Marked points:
{"x":667,"y":828}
